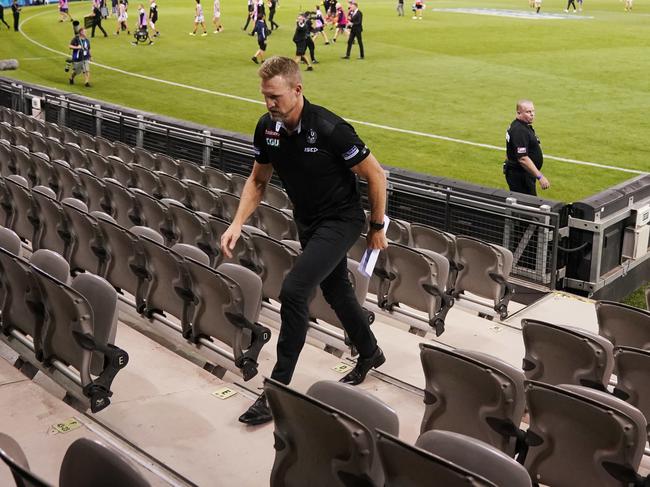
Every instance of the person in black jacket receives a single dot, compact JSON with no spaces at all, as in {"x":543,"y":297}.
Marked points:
{"x":15,"y":9}
{"x":356,"y":19}
{"x":272,"y":6}
{"x":300,"y":39}
{"x":97,"y":18}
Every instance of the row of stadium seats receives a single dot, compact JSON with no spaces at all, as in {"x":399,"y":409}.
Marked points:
{"x":55,"y":323}
{"x":86,"y":462}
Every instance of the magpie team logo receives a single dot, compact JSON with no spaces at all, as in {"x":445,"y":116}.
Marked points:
{"x":311,"y":136}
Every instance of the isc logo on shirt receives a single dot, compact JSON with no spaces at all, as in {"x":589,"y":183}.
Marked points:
{"x":272,"y":142}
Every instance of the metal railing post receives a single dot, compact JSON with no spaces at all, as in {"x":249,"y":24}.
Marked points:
{"x":62,"y":111}
{"x":139,"y":135}
{"x":98,"y":119}
{"x":207,"y":147}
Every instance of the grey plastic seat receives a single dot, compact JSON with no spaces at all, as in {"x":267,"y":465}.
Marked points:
{"x":476,"y":456}
{"x":166,"y":164}
{"x":6,"y":158}
{"x":371,"y":412}
{"x":77,"y":345}
{"x":87,"y":462}
{"x":204,"y":199}
{"x":38,"y":144}
{"x":167,"y":284}
{"x":100,"y":165}
{"x":632,"y":372}
{"x":56,"y":150}
{"x":237,"y":182}
{"x":120,"y":171}
{"x":583,"y":437}
{"x":217,"y":179}
{"x":172,"y":187}
{"x":94,"y":189}
{"x":21,"y":206}
{"x":14,"y":457}
{"x":483,"y":270}
{"x":85,"y":141}
{"x":191,"y":171}
{"x":104,"y":146}
{"x":54,"y":131}
{"x":21,"y":137}
{"x":273,"y":261}
{"x":10,"y":241}
{"x":71,"y":136}
{"x":50,"y":226}
{"x":51,"y":263}
{"x":124,"y":206}
{"x":153,"y":213}
{"x":409,"y":466}
{"x":276,"y":223}
{"x":472,"y":393}
{"x":65,"y":181}
{"x":76,"y":157}
{"x":316,"y":444}
{"x":443,"y":243}
{"x":145,"y":180}
{"x":230,"y":204}
{"x":416,"y":278}
{"x":399,"y":231}
{"x":144,"y":158}
{"x":244,"y":251}
{"x":124,"y":152}
{"x":226,"y":305}
{"x":40,"y":173}
{"x":276,"y":197}
{"x":84,"y":248}
{"x":623,"y":325}
{"x":23,"y":162}
{"x":194,"y":230}
{"x":566,"y":355}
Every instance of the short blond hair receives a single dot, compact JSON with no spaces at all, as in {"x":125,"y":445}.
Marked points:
{"x":281,"y":66}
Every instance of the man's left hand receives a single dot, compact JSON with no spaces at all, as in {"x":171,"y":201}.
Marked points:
{"x":376,"y":239}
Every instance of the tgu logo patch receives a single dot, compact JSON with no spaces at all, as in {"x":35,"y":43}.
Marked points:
{"x":272,"y":142}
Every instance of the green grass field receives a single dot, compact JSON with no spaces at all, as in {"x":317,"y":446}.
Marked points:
{"x":451,"y":74}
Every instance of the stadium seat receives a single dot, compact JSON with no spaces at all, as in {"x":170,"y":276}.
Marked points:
{"x":172,"y":187}
{"x":276,"y":223}
{"x":204,"y":199}
{"x":124,"y":206}
{"x":100,"y":165}
{"x":398,"y":231}
{"x":14,"y":457}
{"x":22,"y":161}
{"x":49,"y":225}
{"x":6,"y":157}
{"x":41,"y":173}
{"x":276,"y":197}
{"x":237,"y":182}
{"x":94,"y":191}
{"x":144,"y":158}
{"x":104,"y":147}
{"x":22,"y":138}
{"x":416,"y":278}
{"x":56,"y":150}
{"x":409,"y":466}
{"x":76,"y":157}
{"x":145,"y":180}
{"x":190,"y":228}
{"x":65,"y":181}
{"x":20,"y":202}
{"x":191,"y":171}
{"x":472,"y":393}
{"x":10,"y":241}
{"x":153,"y":213}
{"x":273,"y":261}
{"x":51,"y":263}
{"x":321,"y":445}
{"x":83,"y":249}
{"x":244,"y":251}
{"x":53,"y":131}
{"x":624,"y":326}
{"x":443,"y":243}
{"x":7,"y":132}
{"x":230,"y":203}
{"x":120,"y":171}
{"x":88,"y":462}
{"x":166,"y":164}
{"x":124,"y":152}
{"x":476,"y":456}
{"x":216,"y":179}
{"x":483,"y":270}
{"x":582,"y":437}
{"x":39,"y":144}
{"x":566,"y":355}
{"x":632,"y":372}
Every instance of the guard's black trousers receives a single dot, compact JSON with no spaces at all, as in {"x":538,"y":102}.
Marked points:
{"x":16,"y":21}
{"x":97,"y":23}
{"x":357,"y":36}
{"x":323,"y":261}
{"x":520,"y":181}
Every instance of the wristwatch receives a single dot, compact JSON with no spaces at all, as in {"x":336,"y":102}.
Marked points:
{"x":376,"y":225}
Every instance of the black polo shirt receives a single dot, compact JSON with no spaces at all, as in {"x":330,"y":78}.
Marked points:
{"x":522,"y":141}
{"x":314,"y":163}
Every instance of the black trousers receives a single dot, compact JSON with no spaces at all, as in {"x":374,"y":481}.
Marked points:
{"x":274,"y":25}
{"x":248,"y":20}
{"x":2,"y":19}
{"x":355,"y":35}
{"x":571,"y":2}
{"x":323,"y":261}
{"x":16,"y":21}
{"x":520,"y":181}
{"x":311,"y":47}
{"x":97,"y":22}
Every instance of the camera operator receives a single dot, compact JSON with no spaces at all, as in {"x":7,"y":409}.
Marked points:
{"x":80,"y":46}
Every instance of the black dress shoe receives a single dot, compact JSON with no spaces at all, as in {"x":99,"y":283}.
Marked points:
{"x":258,"y":413}
{"x":358,"y":374}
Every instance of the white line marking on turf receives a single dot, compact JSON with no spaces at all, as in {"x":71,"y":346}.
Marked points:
{"x":513,"y":14}
{"x":359,"y":122}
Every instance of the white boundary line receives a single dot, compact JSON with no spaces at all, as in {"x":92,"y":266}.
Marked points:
{"x":359,"y":122}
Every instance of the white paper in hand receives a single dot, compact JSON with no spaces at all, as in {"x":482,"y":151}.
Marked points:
{"x":369,"y":257}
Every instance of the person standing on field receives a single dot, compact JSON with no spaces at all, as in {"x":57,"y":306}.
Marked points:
{"x":15,"y":10}
{"x":356,"y":28}
{"x":523,"y":166}
{"x":318,"y":156}
{"x":199,"y":19}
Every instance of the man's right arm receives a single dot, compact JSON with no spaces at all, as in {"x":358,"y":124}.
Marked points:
{"x":250,"y":199}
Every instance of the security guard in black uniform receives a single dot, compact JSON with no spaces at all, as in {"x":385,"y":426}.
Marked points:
{"x":318,"y":157}
{"x":524,"y":152}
